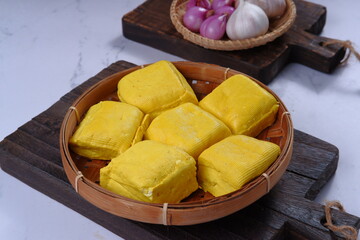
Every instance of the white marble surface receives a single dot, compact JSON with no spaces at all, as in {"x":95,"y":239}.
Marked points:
{"x":49,"y":47}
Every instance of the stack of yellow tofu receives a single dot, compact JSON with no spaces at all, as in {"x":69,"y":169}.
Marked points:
{"x":163,"y":144}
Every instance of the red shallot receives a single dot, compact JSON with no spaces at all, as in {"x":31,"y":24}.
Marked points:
{"x":225,"y":10}
{"x":194,"y":17}
{"x":220,"y":3}
{"x":214,"y":27}
{"x":200,"y":3}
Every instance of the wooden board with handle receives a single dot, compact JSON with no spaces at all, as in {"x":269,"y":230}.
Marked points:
{"x":150,"y":24}
{"x":32,"y":155}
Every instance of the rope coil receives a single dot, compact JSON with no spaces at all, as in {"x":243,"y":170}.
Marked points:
{"x":347,"y":45}
{"x":348,"y":232}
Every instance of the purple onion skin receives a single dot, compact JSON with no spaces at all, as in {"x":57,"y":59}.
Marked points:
{"x":194,"y":17}
{"x":220,"y":3}
{"x":190,"y":4}
{"x":214,"y":27}
{"x":225,"y":10}
{"x":205,"y":24}
{"x":199,"y":3}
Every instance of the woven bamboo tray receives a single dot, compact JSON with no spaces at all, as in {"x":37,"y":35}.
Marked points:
{"x":277,"y":28}
{"x":200,"y":207}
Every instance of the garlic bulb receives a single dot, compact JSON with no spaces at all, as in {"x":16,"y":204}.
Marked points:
{"x":247,"y":21}
{"x":272,"y":8}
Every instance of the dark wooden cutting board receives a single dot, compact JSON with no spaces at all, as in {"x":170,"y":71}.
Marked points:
{"x":32,"y":155}
{"x":150,"y":24}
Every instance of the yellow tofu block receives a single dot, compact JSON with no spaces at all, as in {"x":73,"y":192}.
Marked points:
{"x":108,"y":129}
{"x":152,"y":172}
{"x":155,"y":88}
{"x":187,"y":127}
{"x":243,"y":105}
{"x":229,"y":164}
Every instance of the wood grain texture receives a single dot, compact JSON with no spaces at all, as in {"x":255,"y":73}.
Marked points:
{"x":150,"y":24}
{"x":31,"y":154}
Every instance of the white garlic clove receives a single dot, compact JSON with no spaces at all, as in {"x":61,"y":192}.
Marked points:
{"x":272,"y":8}
{"x":247,"y":21}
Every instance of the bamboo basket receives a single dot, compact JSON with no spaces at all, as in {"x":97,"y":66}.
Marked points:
{"x":277,"y":28}
{"x":200,"y":207}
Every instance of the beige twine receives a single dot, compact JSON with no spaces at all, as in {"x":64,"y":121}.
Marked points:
{"x":282,"y":116}
{"x":76,"y":113}
{"x":164,"y":213}
{"x":268,"y":186}
{"x":78,"y":176}
{"x":347,"y":45}
{"x":226,"y":72}
{"x":347,"y":231}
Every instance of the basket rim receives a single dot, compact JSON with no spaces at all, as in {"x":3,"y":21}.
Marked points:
{"x":231,"y":45}
{"x":72,"y":170}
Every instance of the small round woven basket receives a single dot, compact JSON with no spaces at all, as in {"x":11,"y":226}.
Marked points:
{"x":200,"y":207}
{"x":277,"y":28}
